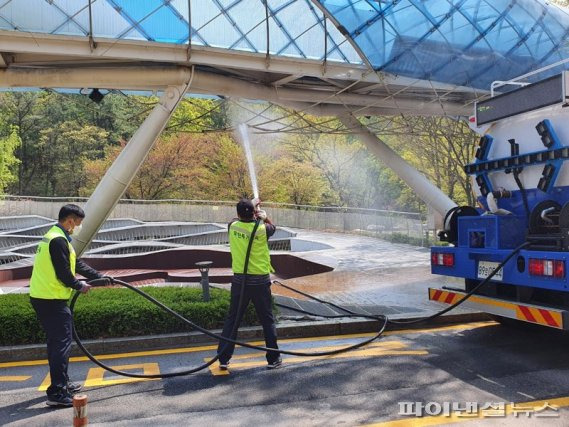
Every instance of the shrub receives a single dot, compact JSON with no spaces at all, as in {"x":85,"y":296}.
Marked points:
{"x":119,"y":312}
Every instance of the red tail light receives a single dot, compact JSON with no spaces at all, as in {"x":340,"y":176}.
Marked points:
{"x":446,"y":260}
{"x":547,"y":268}
{"x":558,"y":269}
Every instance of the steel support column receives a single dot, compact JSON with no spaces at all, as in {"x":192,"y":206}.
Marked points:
{"x":425,"y":189}
{"x":124,"y":168}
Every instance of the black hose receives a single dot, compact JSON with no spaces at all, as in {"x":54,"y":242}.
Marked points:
{"x":522,"y":190}
{"x":468,"y":295}
{"x":219,"y":337}
{"x":350,"y":314}
{"x":213,"y":335}
{"x":243,"y":284}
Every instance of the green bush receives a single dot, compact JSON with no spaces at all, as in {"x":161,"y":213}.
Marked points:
{"x":119,"y":312}
{"x":410,"y":240}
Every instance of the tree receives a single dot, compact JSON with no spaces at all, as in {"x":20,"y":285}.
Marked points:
{"x":289,"y":181}
{"x":440,"y":147}
{"x":63,"y":151}
{"x":189,"y":166}
{"x":8,"y":160}
{"x":227,"y":176}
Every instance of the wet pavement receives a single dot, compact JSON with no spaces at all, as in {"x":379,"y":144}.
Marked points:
{"x":370,"y":276}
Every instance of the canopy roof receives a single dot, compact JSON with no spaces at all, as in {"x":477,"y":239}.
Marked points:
{"x":442,"y":52}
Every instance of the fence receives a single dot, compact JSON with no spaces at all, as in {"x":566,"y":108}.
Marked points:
{"x":396,"y":226}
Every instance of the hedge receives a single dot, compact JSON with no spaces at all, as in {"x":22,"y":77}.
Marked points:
{"x":119,"y":312}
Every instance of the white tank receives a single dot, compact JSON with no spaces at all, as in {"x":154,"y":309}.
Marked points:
{"x":522,"y":128}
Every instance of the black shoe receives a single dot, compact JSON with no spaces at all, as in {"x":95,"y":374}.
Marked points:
{"x":62,"y":400}
{"x":224,"y":365}
{"x":274,"y":365}
{"x":74,"y":387}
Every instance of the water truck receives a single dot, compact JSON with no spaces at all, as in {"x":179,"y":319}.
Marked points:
{"x":518,"y":234}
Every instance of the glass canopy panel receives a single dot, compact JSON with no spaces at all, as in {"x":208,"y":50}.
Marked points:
{"x":296,"y":27}
{"x":462,"y":42}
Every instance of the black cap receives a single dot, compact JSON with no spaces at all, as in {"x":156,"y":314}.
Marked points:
{"x":245,"y":209}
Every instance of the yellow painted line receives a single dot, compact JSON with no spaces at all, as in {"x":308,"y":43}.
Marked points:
{"x":296,"y":359}
{"x":10,"y":378}
{"x":214,"y":369}
{"x":382,"y":344}
{"x":560,"y":402}
{"x":461,"y":327}
{"x":388,"y":348}
{"x":45,"y":383}
{"x":95,"y":377}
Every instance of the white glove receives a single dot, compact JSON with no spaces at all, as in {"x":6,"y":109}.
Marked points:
{"x":84,"y":287}
{"x":261,"y":214}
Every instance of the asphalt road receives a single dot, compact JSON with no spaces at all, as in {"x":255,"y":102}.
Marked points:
{"x":438,"y":372}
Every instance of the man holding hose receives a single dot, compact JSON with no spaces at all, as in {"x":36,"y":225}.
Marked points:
{"x":52,"y":283}
{"x":250,"y":277}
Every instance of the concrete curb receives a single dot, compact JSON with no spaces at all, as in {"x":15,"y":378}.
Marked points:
{"x":289,"y":329}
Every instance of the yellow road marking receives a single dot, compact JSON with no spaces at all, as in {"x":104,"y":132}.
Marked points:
{"x":387,"y":348}
{"x":9,"y":378}
{"x":462,"y":327}
{"x":560,"y":402}
{"x":45,"y":383}
{"x":382,"y":344}
{"x":95,"y":377}
{"x":214,"y":369}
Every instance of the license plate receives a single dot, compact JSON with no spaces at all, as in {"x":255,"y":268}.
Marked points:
{"x":486,"y":267}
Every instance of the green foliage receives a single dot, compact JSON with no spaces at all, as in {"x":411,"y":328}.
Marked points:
{"x":62,"y":145}
{"x":409,"y":240}
{"x":107,"y":312}
{"x":8,"y":160}
{"x":290,"y":181}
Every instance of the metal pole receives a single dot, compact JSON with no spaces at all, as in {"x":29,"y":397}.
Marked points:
{"x":425,"y":189}
{"x":204,"y":267}
{"x":122,"y":171}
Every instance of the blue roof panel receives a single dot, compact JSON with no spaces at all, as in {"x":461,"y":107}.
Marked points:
{"x":462,"y":42}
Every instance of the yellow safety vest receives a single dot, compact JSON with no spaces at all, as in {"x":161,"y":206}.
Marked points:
{"x":259,"y":259}
{"x":44,"y":283}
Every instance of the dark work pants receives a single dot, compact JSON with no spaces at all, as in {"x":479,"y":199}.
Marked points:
{"x":260,"y":295}
{"x":56,"y":320}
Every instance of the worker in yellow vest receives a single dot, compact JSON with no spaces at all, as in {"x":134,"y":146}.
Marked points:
{"x":257,"y":280}
{"x":52,"y":283}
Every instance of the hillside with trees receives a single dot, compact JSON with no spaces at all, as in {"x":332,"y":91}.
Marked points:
{"x":60,"y":144}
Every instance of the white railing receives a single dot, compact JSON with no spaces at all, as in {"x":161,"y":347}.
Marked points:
{"x":372,"y":222}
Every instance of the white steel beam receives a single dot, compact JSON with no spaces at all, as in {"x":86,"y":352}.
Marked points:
{"x":425,"y":189}
{"x":118,"y":177}
{"x":156,"y":78}
{"x":327,"y":110}
{"x":286,"y":80}
{"x":25,"y":45}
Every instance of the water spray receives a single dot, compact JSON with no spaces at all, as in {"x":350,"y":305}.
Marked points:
{"x":244,"y":137}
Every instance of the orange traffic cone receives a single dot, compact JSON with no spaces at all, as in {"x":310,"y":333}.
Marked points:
{"x":80,"y":410}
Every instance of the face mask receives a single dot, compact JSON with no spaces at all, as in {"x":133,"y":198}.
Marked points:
{"x":77,"y":230}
